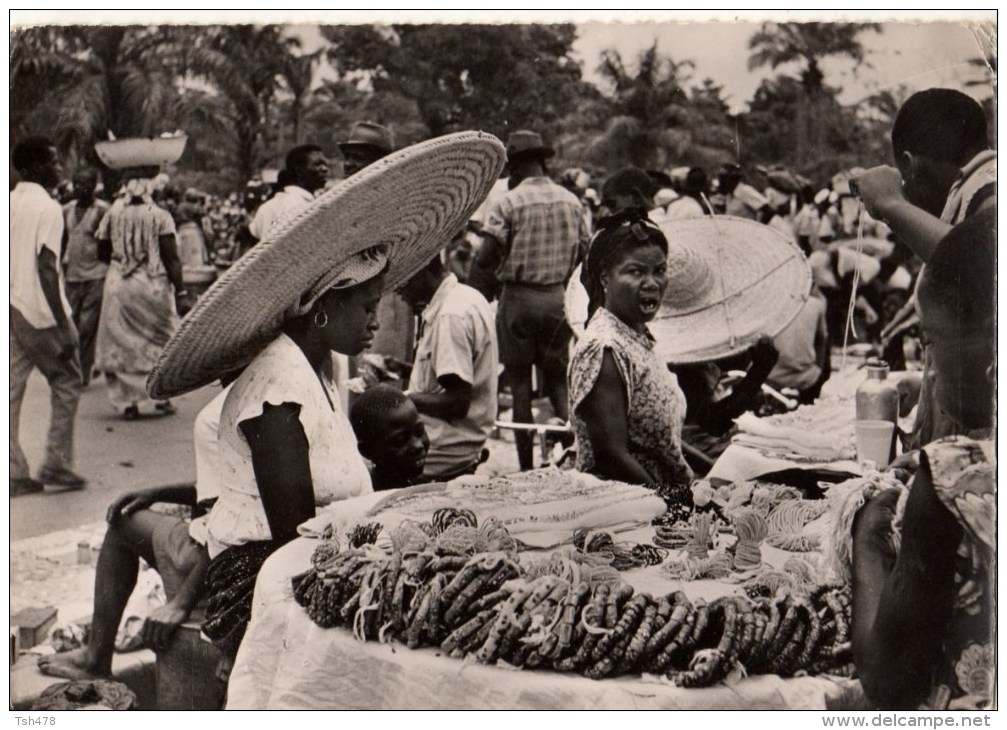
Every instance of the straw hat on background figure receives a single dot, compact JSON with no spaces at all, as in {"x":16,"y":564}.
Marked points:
{"x":402,"y":208}
{"x":730,"y":280}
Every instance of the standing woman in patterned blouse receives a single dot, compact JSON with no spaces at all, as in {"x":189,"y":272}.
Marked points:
{"x":626,"y":407}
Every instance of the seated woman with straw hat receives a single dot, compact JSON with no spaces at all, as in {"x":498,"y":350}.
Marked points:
{"x":626,"y":407}
{"x":310,"y":289}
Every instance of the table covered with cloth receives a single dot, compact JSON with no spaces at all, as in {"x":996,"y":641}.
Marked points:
{"x":288,"y":662}
{"x":815,"y":437}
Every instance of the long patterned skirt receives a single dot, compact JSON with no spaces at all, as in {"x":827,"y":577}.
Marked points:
{"x":137,"y":320}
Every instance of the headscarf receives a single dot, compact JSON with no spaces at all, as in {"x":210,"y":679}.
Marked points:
{"x":358,"y":268}
{"x":617,"y":233}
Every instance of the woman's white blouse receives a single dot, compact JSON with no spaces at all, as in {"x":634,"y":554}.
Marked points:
{"x":281,"y":374}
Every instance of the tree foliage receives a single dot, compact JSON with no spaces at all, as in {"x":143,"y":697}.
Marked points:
{"x":247,"y":93}
{"x":492,"y":77}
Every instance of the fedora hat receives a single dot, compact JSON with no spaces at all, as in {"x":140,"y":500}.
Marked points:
{"x":369,"y":134}
{"x":730,"y":280}
{"x":524,"y":143}
{"x":409,"y":203}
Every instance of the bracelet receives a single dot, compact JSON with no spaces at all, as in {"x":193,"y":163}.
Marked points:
{"x":182,"y":293}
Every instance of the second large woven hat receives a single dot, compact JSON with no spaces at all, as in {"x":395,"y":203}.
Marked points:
{"x":730,"y":280}
{"x":412,"y":201}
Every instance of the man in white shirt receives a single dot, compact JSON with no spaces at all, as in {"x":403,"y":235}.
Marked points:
{"x":306,"y":169}
{"x":42,"y":334}
{"x":454,"y":377}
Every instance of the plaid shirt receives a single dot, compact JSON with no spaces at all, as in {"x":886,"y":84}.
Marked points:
{"x":542,"y":230}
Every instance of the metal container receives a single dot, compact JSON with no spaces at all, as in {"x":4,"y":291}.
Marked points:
{"x":878,"y":399}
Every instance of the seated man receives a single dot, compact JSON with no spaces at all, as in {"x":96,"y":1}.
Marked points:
{"x":709,"y":420}
{"x":391,"y":436}
{"x":923,"y":612}
{"x":804,"y":351}
{"x":454,"y":376}
{"x":176,"y":548}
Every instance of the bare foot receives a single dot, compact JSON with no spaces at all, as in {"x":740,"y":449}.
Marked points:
{"x":76,"y":664}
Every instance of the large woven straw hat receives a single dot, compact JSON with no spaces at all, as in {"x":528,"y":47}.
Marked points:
{"x":413,"y":201}
{"x":730,"y":280}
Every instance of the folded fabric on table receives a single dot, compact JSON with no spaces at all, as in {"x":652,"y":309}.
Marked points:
{"x":755,"y":432}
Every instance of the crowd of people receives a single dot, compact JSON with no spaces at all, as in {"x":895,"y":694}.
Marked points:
{"x":490,"y":283}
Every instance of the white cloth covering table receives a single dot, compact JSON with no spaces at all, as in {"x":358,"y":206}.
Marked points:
{"x":287,"y":662}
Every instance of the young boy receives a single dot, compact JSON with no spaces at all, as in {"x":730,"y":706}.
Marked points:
{"x":391,"y":435}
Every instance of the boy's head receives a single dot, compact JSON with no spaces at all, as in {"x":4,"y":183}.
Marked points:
{"x":957,"y":305}
{"x":936,"y":132}
{"x":389,"y":432}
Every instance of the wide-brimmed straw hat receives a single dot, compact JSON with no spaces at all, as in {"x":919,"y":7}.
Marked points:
{"x":412,"y":201}
{"x":730,"y":281}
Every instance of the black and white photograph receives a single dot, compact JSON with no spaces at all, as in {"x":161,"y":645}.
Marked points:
{"x":504,"y":360}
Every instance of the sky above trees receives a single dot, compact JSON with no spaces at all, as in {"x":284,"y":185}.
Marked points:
{"x":917,"y":55}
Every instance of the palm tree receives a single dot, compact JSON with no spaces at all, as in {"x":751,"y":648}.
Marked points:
{"x":778,"y":44}
{"x":244,"y":63}
{"x":643,"y":131}
{"x":298,"y":72}
{"x":78,"y":83}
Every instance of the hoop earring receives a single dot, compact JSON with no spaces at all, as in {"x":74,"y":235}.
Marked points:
{"x":325,"y":319}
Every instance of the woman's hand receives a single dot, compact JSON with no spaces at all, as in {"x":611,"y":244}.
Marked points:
{"x":162,"y":622}
{"x":764,"y":353}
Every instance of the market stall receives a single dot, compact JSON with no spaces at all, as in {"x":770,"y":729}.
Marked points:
{"x":297,"y":653}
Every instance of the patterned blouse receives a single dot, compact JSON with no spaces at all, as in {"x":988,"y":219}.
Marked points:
{"x":963,"y":477}
{"x":656,"y":403}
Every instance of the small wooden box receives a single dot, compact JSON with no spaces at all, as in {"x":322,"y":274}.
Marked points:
{"x":33,"y":625}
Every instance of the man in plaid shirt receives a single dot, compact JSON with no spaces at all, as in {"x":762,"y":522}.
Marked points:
{"x":534,"y":237}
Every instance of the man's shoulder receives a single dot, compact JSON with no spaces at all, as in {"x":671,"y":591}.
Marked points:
{"x":34,"y":198}
{"x":463,"y":300}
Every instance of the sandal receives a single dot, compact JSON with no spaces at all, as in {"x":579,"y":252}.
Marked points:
{"x":131,"y":413}
{"x":166,"y":407}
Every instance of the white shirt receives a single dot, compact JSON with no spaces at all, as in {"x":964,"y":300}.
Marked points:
{"x":36,"y":222}
{"x":459,"y":338}
{"x":280,"y":374}
{"x":286,"y":202}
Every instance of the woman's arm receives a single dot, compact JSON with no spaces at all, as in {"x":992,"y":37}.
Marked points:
{"x":131,"y":502}
{"x":282,"y":470}
{"x":604,"y":411}
{"x":451,"y":405}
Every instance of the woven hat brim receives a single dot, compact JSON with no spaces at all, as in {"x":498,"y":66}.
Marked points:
{"x":761,"y":281}
{"x":414,"y":200}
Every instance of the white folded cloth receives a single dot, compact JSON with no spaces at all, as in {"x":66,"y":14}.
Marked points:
{"x":755,"y":432}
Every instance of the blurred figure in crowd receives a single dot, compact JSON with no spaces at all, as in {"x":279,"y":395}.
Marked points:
{"x":368,"y":142}
{"x":308,"y":171}
{"x":85,"y":272}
